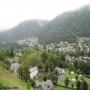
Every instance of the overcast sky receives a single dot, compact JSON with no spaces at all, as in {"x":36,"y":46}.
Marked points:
{"x":13,"y":12}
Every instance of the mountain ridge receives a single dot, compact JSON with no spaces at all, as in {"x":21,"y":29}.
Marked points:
{"x":26,"y":29}
{"x":65,"y":27}
{"x":68,"y":26}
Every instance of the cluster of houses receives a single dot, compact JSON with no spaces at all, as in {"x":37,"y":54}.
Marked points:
{"x":82,"y":44}
{"x":80,"y":58}
{"x":34,"y":70}
{"x":29,"y":42}
{"x":39,"y":85}
{"x":63,"y":46}
{"x":70,"y":47}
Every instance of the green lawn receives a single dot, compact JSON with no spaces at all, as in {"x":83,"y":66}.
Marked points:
{"x":70,"y":76}
{"x":59,"y":88}
{"x":61,"y":81}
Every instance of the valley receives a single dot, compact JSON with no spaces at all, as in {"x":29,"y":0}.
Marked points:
{"x":47,"y":54}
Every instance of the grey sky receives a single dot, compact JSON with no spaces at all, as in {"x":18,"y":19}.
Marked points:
{"x":13,"y":12}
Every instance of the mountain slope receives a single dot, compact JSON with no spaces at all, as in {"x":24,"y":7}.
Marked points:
{"x":68,"y":26}
{"x":23,"y":30}
{"x":65,"y":27}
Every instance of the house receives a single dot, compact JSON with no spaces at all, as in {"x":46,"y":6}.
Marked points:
{"x":33,"y":72}
{"x":59,"y":71}
{"x":15,"y":66}
{"x":47,"y":85}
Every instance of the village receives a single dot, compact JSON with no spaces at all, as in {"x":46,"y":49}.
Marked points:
{"x":68,"y":49}
{"x":45,"y":45}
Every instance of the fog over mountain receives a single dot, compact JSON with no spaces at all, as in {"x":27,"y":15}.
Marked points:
{"x":65,"y":27}
{"x":68,"y":26}
{"x":25,"y":29}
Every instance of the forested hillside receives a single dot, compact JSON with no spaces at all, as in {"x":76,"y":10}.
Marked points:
{"x":65,"y":27}
{"x":68,"y":26}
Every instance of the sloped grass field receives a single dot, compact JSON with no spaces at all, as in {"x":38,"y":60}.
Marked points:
{"x":9,"y":79}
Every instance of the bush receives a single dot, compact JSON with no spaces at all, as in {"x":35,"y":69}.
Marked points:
{"x":45,"y":78}
{"x":66,"y":82}
{"x":1,"y":85}
{"x":6,"y":66}
{"x":53,"y":78}
{"x":87,"y":76}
